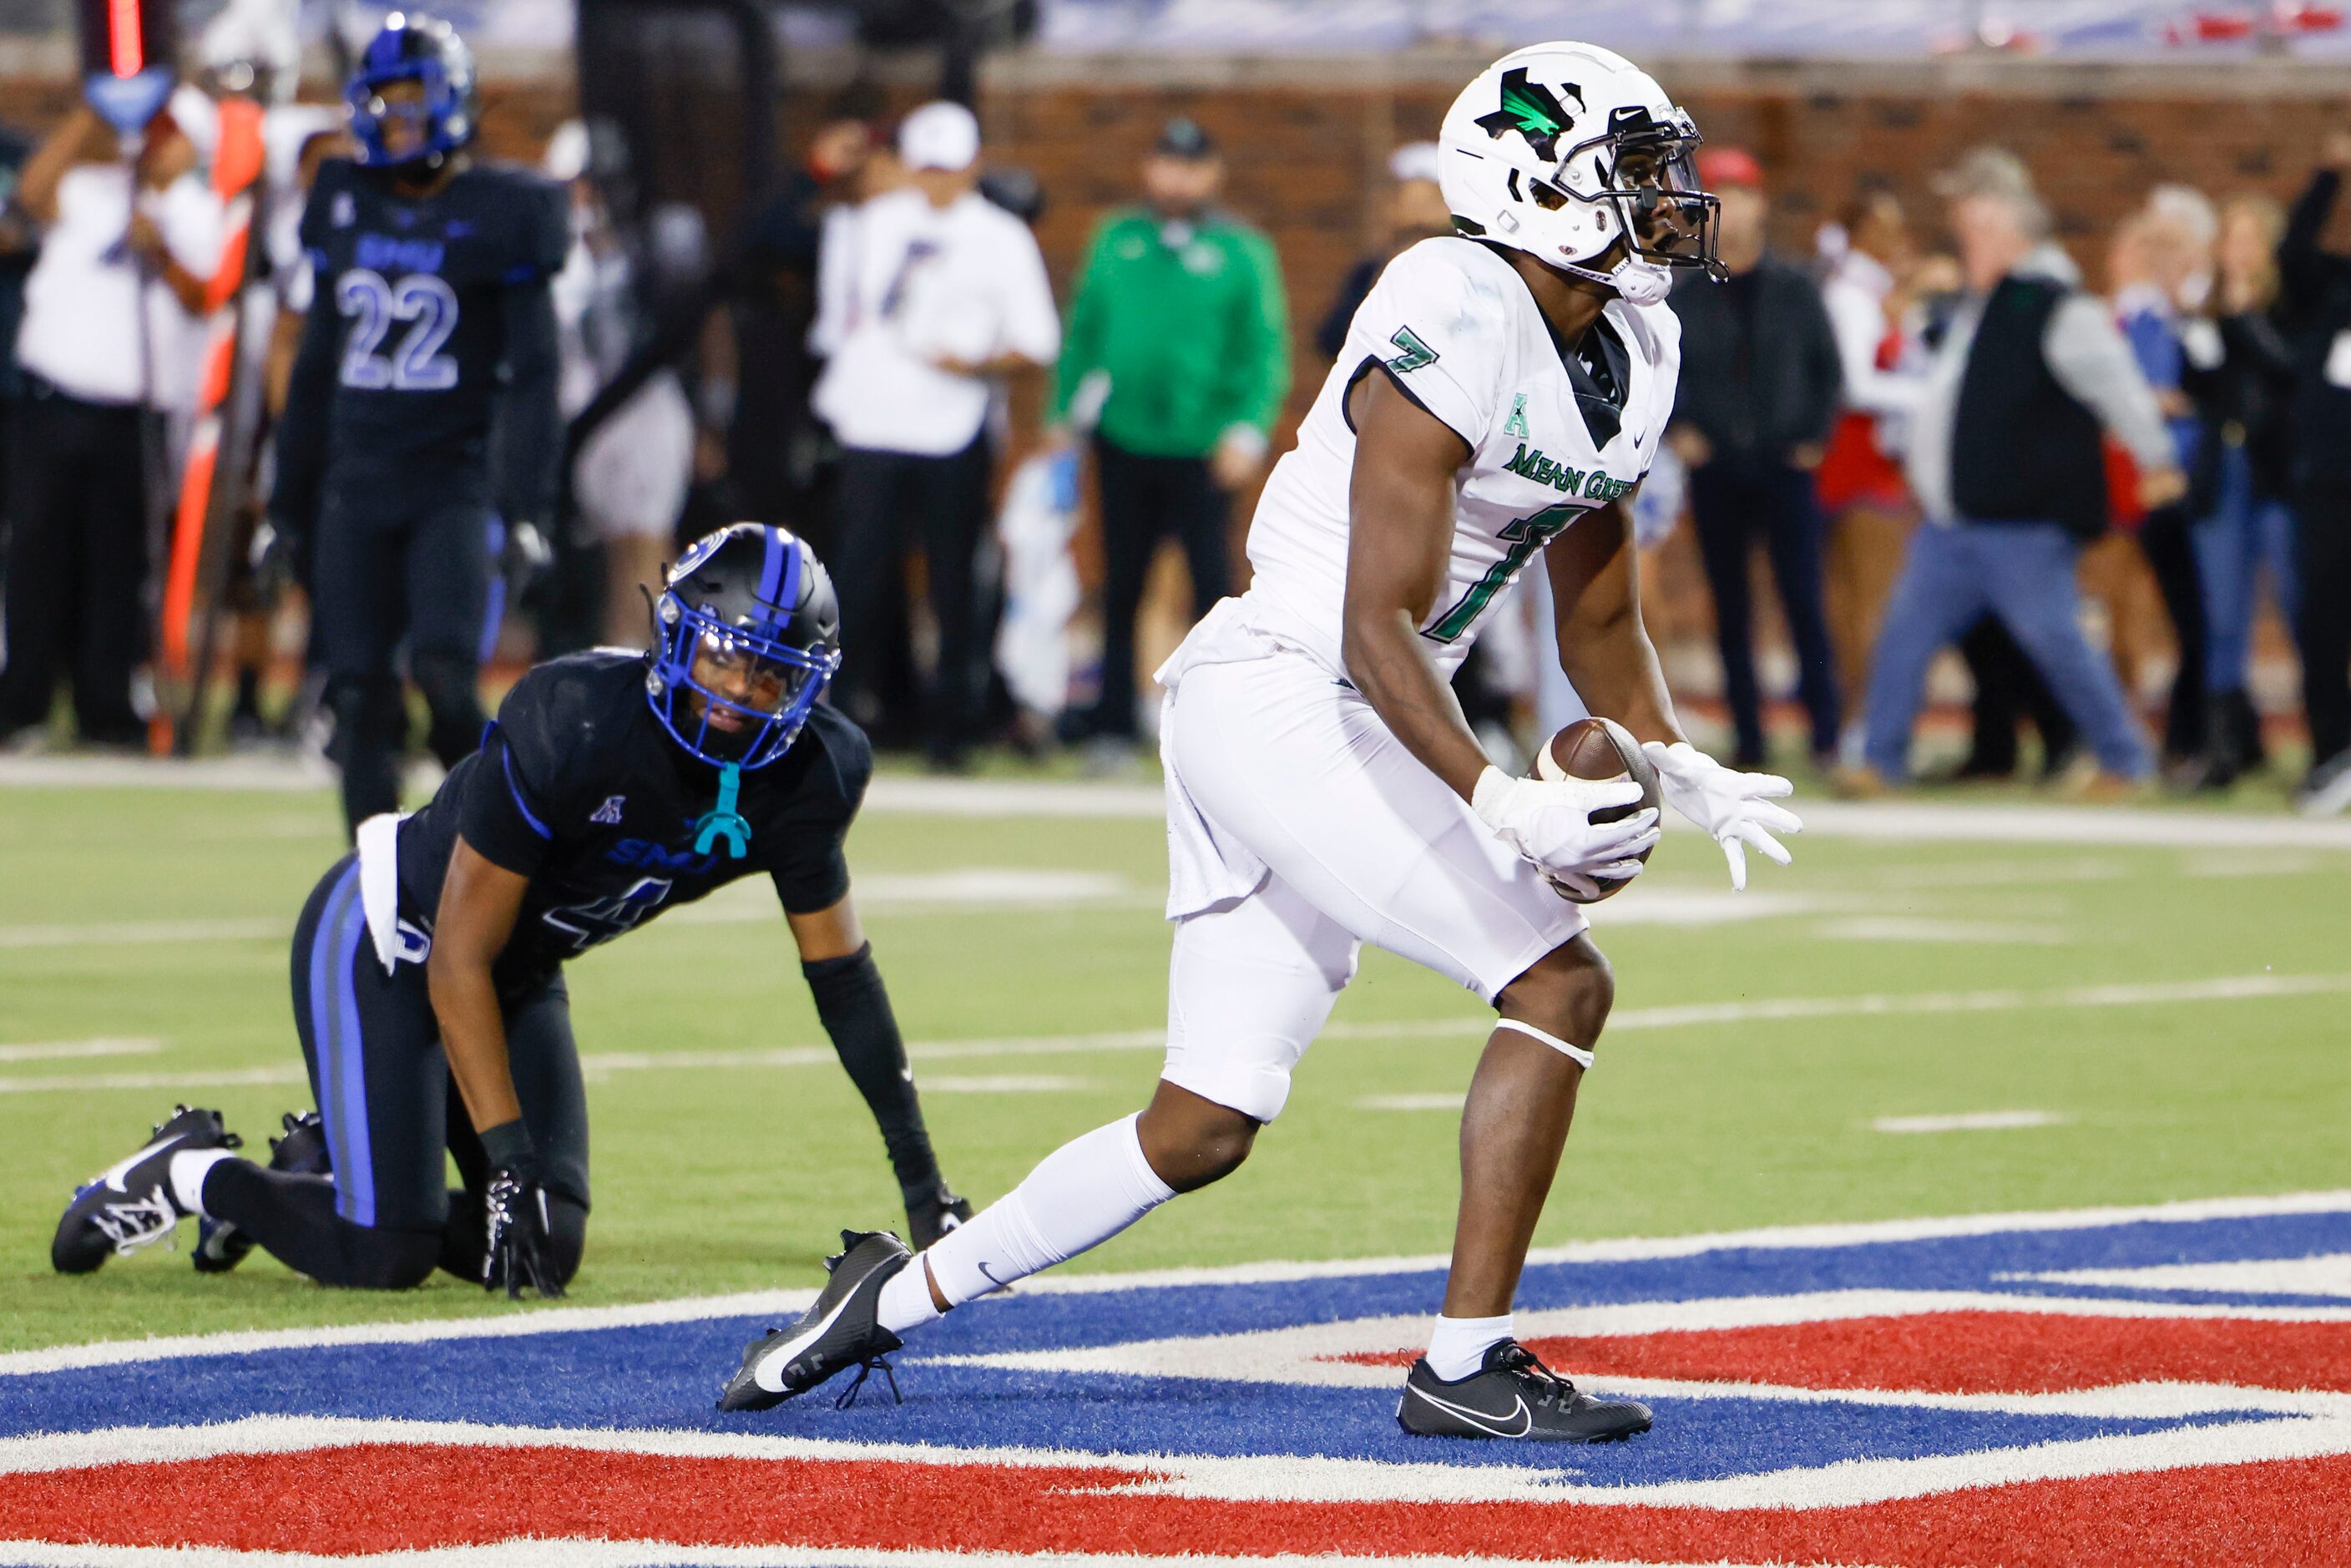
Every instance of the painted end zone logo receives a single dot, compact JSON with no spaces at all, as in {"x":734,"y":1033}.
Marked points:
{"x":2164,"y":1385}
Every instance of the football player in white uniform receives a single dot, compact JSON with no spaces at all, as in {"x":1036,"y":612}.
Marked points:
{"x":1502,"y":389}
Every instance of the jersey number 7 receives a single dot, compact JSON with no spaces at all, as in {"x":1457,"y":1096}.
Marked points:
{"x":1526,"y":536}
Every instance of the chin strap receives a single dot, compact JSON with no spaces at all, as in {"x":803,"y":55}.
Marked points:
{"x":722,"y":820}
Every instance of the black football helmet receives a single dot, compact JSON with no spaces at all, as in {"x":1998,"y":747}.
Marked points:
{"x":747,"y":636}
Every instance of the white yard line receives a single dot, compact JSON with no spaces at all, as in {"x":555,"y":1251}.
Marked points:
{"x":1968,"y":1121}
{"x":68,"y":1050}
{"x":1695,"y":1015}
{"x":556,"y":1320}
{"x":893,"y":793}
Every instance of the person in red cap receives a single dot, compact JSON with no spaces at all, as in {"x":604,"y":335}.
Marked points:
{"x":1759,"y":394}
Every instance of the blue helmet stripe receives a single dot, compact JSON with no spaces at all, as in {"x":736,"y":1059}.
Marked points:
{"x":791,"y":594}
{"x":772,"y":568}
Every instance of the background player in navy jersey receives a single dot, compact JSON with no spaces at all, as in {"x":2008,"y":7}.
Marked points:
{"x":613,"y":787}
{"x":423,"y":404}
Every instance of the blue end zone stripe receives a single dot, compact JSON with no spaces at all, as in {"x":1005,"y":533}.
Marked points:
{"x":354,"y":1196}
{"x":541,"y":829}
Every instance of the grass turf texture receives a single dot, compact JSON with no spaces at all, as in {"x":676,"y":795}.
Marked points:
{"x":714,"y":1178}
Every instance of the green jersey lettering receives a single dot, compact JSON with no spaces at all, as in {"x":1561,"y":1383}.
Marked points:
{"x":1415,"y":352}
{"x":1526,"y":536}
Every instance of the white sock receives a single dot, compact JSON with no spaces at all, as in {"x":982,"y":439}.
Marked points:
{"x":1081,"y":1195}
{"x":189,"y":1167}
{"x":905,"y":1301}
{"x":1458,"y":1347}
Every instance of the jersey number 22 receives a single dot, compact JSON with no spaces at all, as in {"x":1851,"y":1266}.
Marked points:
{"x":373,"y":304}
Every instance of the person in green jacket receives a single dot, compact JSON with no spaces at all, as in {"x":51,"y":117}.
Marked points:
{"x":1177,"y":358}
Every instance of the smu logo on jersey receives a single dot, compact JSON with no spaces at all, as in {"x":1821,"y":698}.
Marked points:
{"x":651,"y":856}
{"x":2159,"y":1385}
{"x":383,"y":253}
{"x":1594,"y":486}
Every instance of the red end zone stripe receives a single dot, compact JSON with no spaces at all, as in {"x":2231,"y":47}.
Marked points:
{"x":391,"y":1498}
{"x":1969,"y":1353}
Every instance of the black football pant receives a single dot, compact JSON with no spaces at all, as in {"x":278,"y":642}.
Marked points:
{"x":1732,"y":499}
{"x":2322,"y":633}
{"x":387,"y":1218}
{"x":381,"y":579}
{"x":1145,"y":500}
{"x":878,"y":498}
{"x":77,"y":563}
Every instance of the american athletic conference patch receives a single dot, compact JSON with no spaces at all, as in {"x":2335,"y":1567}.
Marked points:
{"x":2159,"y":1385}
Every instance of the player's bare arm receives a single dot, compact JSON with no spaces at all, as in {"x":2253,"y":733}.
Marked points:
{"x":1401,"y":507}
{"x":831,"y":933}
{"x":1603,"y":646}
{"x":479,"y":901}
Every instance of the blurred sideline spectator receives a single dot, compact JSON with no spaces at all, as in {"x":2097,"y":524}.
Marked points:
{"x":1416,"y":211}
{"x":924,"y":295}
{"x":20,"y":243}
{"x":2317,"y":289}
{"x":2006,"y":460}
{"x":629,"y":478}
{"x":2155,"y":256}
{"x":2240,"y":374}
{"x":1759,"y":395}
{"x":1178,"y":360}
{"x":1866,"y":294}
{"x":111,"y":345}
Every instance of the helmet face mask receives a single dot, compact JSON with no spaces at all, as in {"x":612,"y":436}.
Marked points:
{"x":744,"y":645}
{"x":1572,"y":154}
{"x":439,"y":112}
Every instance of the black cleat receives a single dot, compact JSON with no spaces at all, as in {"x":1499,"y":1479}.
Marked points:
{"x":1513,"y":1395}
{"x":836,"y":1333}
{"x":220,"y":1245}
{"x":130,"y":1204}
{"x":932,"y":1215}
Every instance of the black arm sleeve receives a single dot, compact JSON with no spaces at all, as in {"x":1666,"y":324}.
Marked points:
{"x":854,"y":1008}
{"x":2304,"y":268}
{"x":530,"y":438}
{"x":302,"y":428}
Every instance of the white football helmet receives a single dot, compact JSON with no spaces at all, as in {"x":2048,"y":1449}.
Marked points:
{"x":1564,"y":150}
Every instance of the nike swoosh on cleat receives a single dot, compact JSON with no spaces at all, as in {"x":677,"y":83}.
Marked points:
{"x":113,"y":1175}
{"x":784,"y":1354}
{"x":1481,"y":1419}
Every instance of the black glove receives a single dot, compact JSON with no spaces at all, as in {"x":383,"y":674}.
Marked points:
{"x":514,"y":1217}
{"x":525,"y":558}
{"x":279,"y":557}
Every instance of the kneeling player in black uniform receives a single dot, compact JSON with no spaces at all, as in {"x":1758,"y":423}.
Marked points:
{"x":613,"y":786}
{"x":430,"y":340}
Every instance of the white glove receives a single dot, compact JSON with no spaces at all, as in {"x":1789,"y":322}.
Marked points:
{"x":1734,"y":807}
{"x":1550,"y":822}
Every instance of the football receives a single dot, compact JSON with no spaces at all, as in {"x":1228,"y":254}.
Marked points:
{"x":1599,"y":749}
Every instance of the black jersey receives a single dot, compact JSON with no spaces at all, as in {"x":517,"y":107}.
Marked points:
{"x":421,"y":309}
{"x":578,"y":788}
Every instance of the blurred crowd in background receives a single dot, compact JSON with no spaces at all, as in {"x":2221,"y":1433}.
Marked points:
{"x":1025,"y":492}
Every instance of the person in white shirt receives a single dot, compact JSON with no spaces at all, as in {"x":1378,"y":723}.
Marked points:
{"x":112,"y":342}
{"x":924,"y":295}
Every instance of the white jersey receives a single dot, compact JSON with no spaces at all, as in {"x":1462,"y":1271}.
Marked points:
{"x":1455,"y":324}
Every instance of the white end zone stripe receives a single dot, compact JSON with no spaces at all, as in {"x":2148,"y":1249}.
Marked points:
{"x":1269,"y":1477}
{"x":691,"y":1309}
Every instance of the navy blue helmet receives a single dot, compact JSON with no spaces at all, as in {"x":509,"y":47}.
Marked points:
{"x":418,"y":49}
{"x":747,"y":637}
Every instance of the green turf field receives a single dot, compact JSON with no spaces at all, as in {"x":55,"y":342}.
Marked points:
{"x":146,"y":928}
